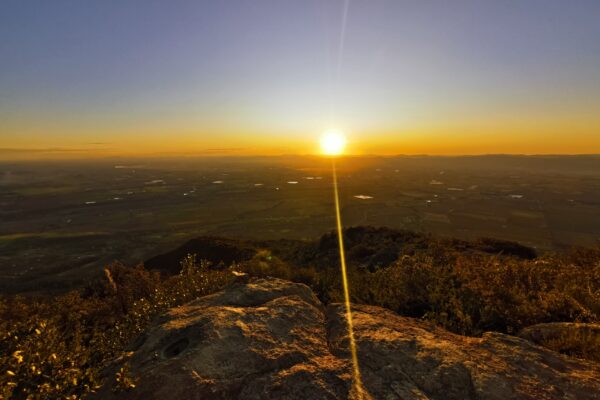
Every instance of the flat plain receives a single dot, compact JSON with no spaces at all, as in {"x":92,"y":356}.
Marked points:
{"x":62,"y":222}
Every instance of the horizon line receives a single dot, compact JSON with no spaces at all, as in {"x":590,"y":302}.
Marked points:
{"x":306,"y":155}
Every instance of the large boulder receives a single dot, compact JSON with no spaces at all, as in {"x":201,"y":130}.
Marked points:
{"x":273,"y":339}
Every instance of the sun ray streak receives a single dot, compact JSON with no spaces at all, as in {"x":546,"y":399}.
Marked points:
{"x":358,"y":387}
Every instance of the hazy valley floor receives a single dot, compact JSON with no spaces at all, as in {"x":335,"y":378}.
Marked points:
{"x":62,"y":223}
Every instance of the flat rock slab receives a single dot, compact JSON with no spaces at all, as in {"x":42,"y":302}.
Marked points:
{"x":273,"y":339}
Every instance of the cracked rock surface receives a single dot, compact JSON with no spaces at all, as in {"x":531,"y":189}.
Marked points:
{"x":273,"y":339}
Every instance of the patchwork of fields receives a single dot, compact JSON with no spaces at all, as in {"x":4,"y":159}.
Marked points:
{"x":61,"y":222}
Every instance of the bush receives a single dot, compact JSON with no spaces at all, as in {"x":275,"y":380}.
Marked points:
{"x":579,"y":344}
{"x":476,"y":293}
{"x":466,"y":292}
{"x":57,"y":348}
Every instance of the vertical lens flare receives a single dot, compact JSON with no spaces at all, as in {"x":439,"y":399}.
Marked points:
{"x":358,"y":387}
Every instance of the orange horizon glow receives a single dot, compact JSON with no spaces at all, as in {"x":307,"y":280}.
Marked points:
{"x":73,"y":139}
{"x":435,"y":143}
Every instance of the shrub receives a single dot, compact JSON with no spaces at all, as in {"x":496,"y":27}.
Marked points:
{"x":57,"y":348}
{"x":465,"y":292}
{"x":579,"y":344}
{"x":476,"y":293}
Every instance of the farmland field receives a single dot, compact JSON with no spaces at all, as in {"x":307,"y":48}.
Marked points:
{"x":62,"y":222}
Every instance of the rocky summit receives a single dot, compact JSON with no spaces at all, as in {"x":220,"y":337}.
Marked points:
{"x":273,"y":339}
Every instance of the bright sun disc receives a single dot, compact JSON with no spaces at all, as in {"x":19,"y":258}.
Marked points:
{"x":333,"y":143}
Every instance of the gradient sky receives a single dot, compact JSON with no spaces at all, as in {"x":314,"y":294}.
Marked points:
{"x":97,"y":78}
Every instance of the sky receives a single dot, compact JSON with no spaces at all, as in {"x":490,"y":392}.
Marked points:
{"x":82,"y":79}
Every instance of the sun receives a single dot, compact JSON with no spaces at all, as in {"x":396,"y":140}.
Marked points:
{"x":333,"y":143}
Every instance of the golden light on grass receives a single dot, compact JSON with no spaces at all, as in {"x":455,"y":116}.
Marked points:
{"x":333,"y":144}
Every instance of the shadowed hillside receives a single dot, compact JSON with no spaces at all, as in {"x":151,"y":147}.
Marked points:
{"x":366,"y":248}
{"x":217,"y":251}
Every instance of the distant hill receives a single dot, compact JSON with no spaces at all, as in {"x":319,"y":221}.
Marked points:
{"x":366,"y":247}
{"x":218,"y":251}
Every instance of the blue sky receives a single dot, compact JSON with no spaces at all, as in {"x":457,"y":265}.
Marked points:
{"x":269,"y":74}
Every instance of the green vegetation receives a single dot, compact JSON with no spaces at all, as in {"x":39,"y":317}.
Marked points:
{"x":60,"y":347}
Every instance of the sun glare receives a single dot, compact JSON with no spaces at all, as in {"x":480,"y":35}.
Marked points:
{"x":333,"y":143}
